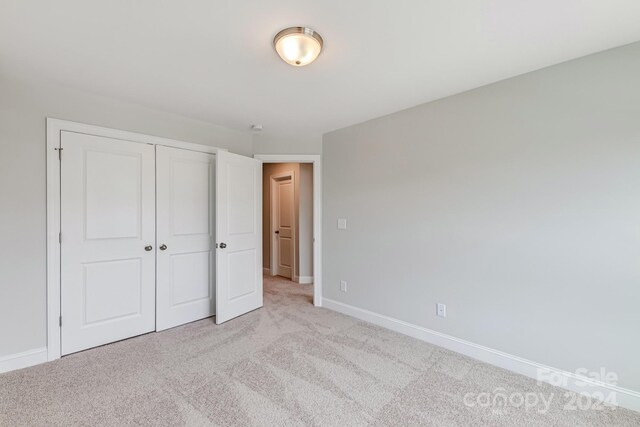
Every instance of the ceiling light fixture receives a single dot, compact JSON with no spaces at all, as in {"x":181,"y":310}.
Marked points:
{"x":298,"y":46}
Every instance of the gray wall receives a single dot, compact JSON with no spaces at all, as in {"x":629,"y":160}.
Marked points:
{"x":23,"y":109}
{"x":516,"y":204}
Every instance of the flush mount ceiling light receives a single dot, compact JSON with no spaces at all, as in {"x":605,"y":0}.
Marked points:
{"x":298,"y":46}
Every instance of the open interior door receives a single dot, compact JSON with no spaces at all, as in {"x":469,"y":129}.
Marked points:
{"x":238,"y":235}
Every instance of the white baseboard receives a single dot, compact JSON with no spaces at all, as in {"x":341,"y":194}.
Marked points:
{"x":625,"y":398}
{"x":303,"y":280}
{"x":266,"y":271}
{"x":23,"y":360}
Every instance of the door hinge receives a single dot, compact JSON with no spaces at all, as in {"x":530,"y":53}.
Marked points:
{"x":60,"y":321}
{"x":59,"y":150}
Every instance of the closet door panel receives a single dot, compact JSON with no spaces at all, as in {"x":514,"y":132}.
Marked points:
{"x":107,"y":220}
{"x":185,"y":234}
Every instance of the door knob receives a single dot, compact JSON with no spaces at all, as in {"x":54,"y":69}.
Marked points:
{"x":163,"y":247}
{"x":223,"y":245}
{"x":148,"y":248}
{"x":277,"y":231}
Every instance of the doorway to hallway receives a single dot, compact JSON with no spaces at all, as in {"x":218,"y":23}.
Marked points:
{"x":304,"y":243}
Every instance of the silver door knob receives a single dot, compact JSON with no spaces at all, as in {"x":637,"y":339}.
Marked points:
{"x":163,"y":247}
{"x":223,"y":245}
{"x":148,"y":248}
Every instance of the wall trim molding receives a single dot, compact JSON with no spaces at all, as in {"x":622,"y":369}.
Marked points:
{"x":626,"y":398}
{"x":25,"y":359}
{"x":303,"y":280}
{"x":266,"y":271}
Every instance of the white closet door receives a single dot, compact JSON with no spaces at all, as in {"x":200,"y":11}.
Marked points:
{"x":108,"y":232}
{"x":239,"y":235}
{"x":185,"y":212}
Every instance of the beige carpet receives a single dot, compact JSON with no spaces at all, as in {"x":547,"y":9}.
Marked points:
{"x":285,"y":364}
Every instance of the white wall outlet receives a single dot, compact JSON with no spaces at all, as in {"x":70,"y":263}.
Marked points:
{"x":342,"y":223}
{"x":441,"y":310}
{"x":343,"y":285}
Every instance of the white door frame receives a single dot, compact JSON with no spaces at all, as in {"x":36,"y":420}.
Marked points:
{"x":273,"y":241}
{"x":54,"y":129}
{"x":316,"y":160}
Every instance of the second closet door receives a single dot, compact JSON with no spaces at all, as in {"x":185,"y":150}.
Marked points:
{"x":185,"y":228}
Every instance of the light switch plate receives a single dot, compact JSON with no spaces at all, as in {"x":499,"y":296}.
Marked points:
{"x":342,"y":223}
{"x":343,"y":285}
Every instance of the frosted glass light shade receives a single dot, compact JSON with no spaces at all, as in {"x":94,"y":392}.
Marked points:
{"x":298,"y":46}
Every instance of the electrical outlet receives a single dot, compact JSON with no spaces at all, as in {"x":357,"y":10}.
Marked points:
{"x":441,"y":310}
{"x":343,"y":285}
{"x":342,"y":223}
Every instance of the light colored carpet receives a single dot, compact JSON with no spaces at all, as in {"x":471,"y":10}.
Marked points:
{"x":285,"y":364}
